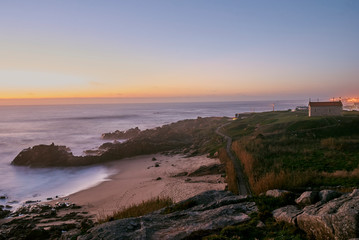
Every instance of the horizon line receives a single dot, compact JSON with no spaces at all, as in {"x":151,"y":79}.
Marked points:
{"x":118,"y":100}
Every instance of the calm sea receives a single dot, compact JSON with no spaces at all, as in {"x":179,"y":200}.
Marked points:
{"x":80,"y":127}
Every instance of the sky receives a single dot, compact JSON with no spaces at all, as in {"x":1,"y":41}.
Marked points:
{"x":181,"y":50}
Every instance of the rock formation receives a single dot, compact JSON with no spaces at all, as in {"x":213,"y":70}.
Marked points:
{"x":335,"y":219}
{"x":205,"y":212}
{"x":130,"y":133}
{"x":277,"y":193}
{"x":42,"y":221}
{"x":48,"y":155}
{"x":196,"y":136}
{"x":307,"y":198}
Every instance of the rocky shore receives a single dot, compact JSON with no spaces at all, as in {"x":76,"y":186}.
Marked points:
{"x":191,"y":137}
{"x":214,"y":214}
{"x":137,"y":179}
{"x":45,"y":221}
{"x":320,"y":215}
{"x":130,"y":133}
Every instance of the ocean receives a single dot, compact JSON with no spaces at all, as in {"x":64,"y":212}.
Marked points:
{"x":79,"y":127}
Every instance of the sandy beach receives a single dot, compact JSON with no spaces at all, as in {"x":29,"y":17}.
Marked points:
{"x":138,"y":179}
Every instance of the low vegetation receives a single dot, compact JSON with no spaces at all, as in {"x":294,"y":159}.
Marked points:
{"x":231,"y":175}
{"x":289,"y":150}
{"x":137,"y":210}
{"x":270,"y":230}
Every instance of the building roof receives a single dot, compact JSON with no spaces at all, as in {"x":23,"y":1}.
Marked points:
{"x":326,"y":104}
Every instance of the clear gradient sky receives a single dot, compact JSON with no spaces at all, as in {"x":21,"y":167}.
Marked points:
{"x":183,"y":49}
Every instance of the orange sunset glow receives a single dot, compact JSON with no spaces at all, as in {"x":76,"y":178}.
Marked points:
{"x":122,"y":55}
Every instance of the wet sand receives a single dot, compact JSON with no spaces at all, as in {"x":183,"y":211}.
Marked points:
{"x":138,"y":179}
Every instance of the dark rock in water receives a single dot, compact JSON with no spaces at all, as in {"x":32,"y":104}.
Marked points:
{"x":44,"y":155}
{"x":31,"y":201}
{"x":205,"y":212}
{"x":3,"y":197}
{"x":174,"y":137}
{"x":4,"y":213}
{"x":130,"y":133}
{"x":208,"y":170}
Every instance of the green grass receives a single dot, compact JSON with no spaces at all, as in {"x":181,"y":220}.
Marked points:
{"x":281,"y":144}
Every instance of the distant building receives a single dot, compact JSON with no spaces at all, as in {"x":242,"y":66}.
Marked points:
{"x":325,"y":109}
{"x":301,"y":108}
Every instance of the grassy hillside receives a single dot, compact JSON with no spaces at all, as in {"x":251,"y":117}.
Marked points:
{"x":290,"y":150}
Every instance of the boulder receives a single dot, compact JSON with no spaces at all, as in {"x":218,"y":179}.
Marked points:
{"x":307,"y":198}
{"x":276,"y":193}
{"x":327,"y":195}
{"x":44,"y":155}
{"x":260,"y":224}
{"x":205,"y":212}
{"x":287,"y":214}
{"x":337,"y":219}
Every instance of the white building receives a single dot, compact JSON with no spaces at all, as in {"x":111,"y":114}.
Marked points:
{"x":325,"y":108}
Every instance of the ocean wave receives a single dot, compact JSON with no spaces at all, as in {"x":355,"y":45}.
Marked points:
{"x":81,"y":118}
{"x":98,"y":117}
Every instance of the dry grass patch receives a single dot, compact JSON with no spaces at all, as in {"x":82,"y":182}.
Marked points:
{"x":231,"y":175}
{"x":136,"y":210}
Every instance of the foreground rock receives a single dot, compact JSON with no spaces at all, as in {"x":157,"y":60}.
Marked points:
{"x":336,"y":219}
{"x":307,"y":198}
{"x":205,"y":212}
{"x":42,"y":221}
{"x":277,"y":193}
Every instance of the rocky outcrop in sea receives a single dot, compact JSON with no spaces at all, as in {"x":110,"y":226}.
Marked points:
{"x":130,"y":133}
{"x":191,"y":137}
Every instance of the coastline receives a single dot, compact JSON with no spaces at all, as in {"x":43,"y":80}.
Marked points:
{"x":138,"y":179}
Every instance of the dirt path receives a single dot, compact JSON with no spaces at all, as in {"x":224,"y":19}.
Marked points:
{"x":243,"y":186}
